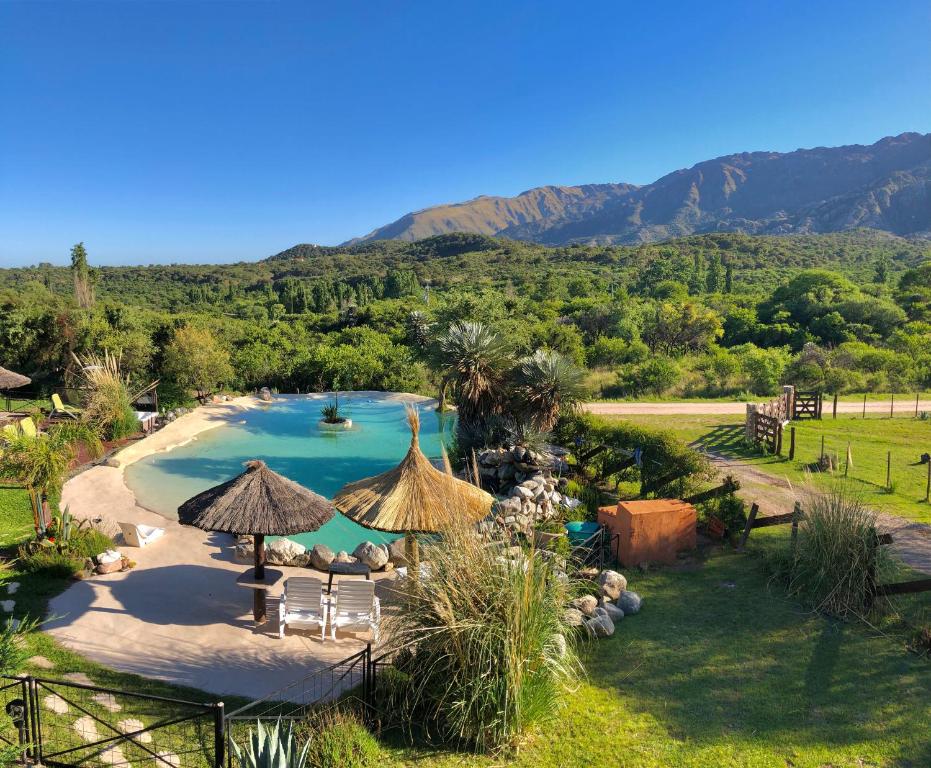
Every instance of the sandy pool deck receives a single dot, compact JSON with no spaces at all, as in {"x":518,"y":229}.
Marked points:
{"x":178,"y":615}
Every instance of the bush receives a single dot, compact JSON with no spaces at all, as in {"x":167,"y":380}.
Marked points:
{"x":652,"y":377}
{"x":48,"y":560}
{"x":830,"y":569}
{"x":492,"y":655}
{"x":338,"y":739}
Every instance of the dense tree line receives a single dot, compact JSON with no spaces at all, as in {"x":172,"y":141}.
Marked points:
{"x":705,"y":315}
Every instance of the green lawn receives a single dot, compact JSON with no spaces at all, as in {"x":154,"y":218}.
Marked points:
{"x":15,"y":516}
{"x":870,"y":440}
{"x":720,"y":669}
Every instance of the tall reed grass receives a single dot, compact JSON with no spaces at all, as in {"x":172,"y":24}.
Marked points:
{"x":836,"y":562}
{"x":107,"y":398}
{"x":489,"y":656}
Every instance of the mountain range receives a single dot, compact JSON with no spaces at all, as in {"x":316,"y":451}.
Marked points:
{"x":884,"y":186}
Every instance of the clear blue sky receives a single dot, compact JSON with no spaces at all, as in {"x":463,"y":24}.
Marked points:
{"x":222,"y":131}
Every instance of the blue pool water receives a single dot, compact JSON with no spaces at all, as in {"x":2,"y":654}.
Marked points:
{"x":286,"y":436}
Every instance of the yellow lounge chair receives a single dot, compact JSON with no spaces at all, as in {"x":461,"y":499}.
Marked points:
{"x":66,"y":410}
{"x":29,"y":427}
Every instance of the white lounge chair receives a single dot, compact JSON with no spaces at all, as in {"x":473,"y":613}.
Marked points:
{"x":302,"y":605}
{"x":140,"y":535}
{"x":355,"y":608}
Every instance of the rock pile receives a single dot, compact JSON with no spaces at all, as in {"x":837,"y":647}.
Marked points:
{"x":287,"y":552}
{"x":598,"y":616}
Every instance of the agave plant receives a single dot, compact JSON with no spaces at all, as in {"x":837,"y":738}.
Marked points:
{"x":474,"y":360}
{"x":548,"y":384}
{"x":271,"y":747}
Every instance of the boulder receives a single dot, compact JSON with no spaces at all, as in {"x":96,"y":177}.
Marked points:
{"x":373,"y":555}
{"x":613,"y":611}
{"x":573,"y":617}
{"x":265,"y":394}
{"x":245,"y":550}
{"x":520,"y":491}
{"x":629,"y":602}
{"x":321,"y":556}
{"x":397,"y":552}
{"x":587,"y":604}
{"x":285,"y":552}
{"x":344,"y":557}
{"x":612,"y":584}
{"x":600,"y":625}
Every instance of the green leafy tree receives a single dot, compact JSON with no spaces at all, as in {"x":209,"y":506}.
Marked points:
{"x":194,"y":361}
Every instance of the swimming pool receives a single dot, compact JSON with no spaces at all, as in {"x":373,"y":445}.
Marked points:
{"x":285,"y":435}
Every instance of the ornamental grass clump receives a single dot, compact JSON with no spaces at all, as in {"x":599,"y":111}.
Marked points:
{"x":107,"y":398}
{"x":486,"y":647}
{"x":837,"y":561}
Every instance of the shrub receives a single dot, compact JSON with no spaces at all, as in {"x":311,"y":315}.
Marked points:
{"x":270,"y":747}
{"x":338,"y":739}
{"x":488,"y":642}
{"x":836,"y":562}
{"x":49,"y":561}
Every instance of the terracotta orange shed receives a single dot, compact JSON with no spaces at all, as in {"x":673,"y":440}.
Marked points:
{"x":651,"y":530}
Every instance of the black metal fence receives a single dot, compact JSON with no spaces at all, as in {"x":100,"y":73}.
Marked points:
{"x":66,"y":724}
{"x":354,"y":677}
{"x":24,"y":401}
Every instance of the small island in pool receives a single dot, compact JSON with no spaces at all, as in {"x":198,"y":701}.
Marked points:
{"x":286,"y":435}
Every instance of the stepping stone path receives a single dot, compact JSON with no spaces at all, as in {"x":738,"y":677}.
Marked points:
{"x":11,"y":587}
{"x":41,"y":662}
{"x":8,"y":605}
{"x":168,"y":758}
{"x":86,"y":728}
{"x":107,"y":701}
{"x":55,"y":703}
{"x":78,"y":677}
{"x":113,"y":756}
{"x":131,"y":725}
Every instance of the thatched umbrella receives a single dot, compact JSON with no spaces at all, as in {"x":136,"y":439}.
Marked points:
{"x":257,"y":503}
{"x":414,"y":497}
{"x":12,"y":380}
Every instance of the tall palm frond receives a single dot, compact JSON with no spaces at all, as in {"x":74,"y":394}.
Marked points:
{"x":474,"y":359}
{"x":548,"y":384}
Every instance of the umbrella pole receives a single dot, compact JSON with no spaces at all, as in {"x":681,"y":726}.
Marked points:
{"x":258,"y":595}
{"x":412,"y":550}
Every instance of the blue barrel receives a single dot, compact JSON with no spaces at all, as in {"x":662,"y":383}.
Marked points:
{"x":579,"y":531}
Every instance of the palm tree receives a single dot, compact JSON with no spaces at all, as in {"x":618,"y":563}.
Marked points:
{"x":41,"y":463}
{"x":548,"y":384}
{"x":474,"y":360}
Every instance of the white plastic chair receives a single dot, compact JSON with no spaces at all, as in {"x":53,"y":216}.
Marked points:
{"x":356,"y":608}
{"x":140,"y":535}
{"x":302,"y":605}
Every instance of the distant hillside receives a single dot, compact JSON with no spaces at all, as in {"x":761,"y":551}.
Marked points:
{"x":884,"y":186}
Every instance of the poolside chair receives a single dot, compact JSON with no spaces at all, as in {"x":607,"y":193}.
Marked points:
{"x":58,"y":407}
{"x":140,"y":535}
{"x":29,"y":427}
{"x":356,"y":608}
{"x":302,"y":605}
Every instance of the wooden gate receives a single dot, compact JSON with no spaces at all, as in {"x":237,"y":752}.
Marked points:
{"x":806,"y":405}
{"x":769,"y":432}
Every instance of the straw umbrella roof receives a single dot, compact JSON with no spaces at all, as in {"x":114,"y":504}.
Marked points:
{"x":415,"y":496}
{"x":12,"y":380}
{"x":257,"y":502}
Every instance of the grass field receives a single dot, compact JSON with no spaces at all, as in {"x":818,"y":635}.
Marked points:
{"x":870,"y":440}
{"x":720,"y":669}
{"x":15,"y":516}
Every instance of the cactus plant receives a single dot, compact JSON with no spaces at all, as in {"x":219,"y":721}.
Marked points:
{"x":270,"y":747}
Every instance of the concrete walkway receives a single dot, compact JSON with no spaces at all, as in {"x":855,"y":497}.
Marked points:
{"x":178,"y":615}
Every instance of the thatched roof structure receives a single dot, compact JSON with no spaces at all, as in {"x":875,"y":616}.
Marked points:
{"x":12,"y":380}
{"x":257,"y":502}
{"x":414,"y":497}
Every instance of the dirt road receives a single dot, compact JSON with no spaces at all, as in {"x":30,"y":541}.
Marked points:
{"x":739,"y":409}
{"x":776,"y":495}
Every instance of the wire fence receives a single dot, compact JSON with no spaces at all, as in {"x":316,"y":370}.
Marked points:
{"x":63,"y":723}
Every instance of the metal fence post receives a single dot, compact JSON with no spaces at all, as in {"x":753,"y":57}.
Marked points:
{"x":219,"y":734}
